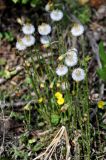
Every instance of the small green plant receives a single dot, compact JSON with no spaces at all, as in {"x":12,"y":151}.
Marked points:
{"x":18,"y":154}
{"x":102,"y":71}
{"x":58,"y":93}
{"x":83,"y":13}
{"x":33,"y":3}
{"x":7,"y":36}
{"x":56,"y":103}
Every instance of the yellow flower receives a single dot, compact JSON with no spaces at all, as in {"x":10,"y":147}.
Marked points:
{"x":58,"y":95}
{"x":101,"y":104}
{"x":60,"y":101}
{"x":40,"y":100}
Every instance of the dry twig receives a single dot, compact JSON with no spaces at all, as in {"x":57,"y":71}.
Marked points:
{"x":51,"y":148}
{"x":95,"y":50}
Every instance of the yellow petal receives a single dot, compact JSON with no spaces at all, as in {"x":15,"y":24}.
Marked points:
{"x":58,"y":95}
{"x":60,"y":101}
{"x":101,"y":104}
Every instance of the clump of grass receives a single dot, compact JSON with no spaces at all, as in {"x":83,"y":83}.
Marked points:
{"x":59,"y":80}
{"x":59,"y":99}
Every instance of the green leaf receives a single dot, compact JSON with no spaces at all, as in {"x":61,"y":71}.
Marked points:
{"x":102,"y":53}
{"x":31,"y":141}
{"x":17,"y":116}
{"x":24,"y":1}
{"x":1,"y":35}
{"x":28,"y":80}
{"x":15,"y":1}
{"x":38,"y":147}
{"x":34,"y":3}
{"x":103,"y":126}
{"x":102,"y":73}
{"x":9,"y":36}
{"x":2,"y":61}
{"x":5,"y":74}
{"x":55,"y":119}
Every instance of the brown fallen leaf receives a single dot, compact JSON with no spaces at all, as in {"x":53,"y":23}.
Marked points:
{"x":97,"y":3}
{"x":83,"y":2}
{"x":2,"y":5}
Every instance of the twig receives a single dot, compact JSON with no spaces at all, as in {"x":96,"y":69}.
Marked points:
{"x":95,"y":50}
{"x":42,"y":56}
{"x":50,"y":149}
{"x":16,"y":104}
{"x":4,"y":132}
{"x":43,"y":133}
{"x":17,"y":70}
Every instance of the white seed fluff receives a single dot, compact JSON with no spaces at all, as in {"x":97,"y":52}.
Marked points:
{"x":56,"y":15}
{"x":77,"y":30}
{"x":28,"y":40}
{"x":44,"y":29}
{"x":20,"y":45}
{"x":45,"y":39}
{"x":78,"y":74}
{"x":28,"y":29}
{"x":73,"y":49}
{"x":71,"y":59}
{"x":61,"y":70}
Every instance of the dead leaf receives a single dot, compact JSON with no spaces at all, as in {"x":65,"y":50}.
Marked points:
{"x":2,"y":5}
{"x":82,"y":2}
{"x":97,"y":3}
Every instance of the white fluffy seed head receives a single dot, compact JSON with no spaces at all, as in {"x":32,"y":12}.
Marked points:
{"x":61,"y":70}
{"x":74,"y":49}
{"x":45,"y":39}
{"x":71,"y":59}
{"x":44,"y":29}
{"x":28,"y":29}
{"x":28,"y":40}
{"x":20,"y":45}
{"x":71,"y":51}
{"x":77,"y":30}
{"x":56,"y":15}
{"x":78,"y":74}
